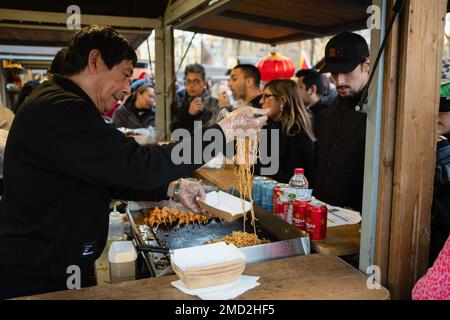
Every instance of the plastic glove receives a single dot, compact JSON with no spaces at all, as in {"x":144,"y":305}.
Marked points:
{"x":243,"y":122}
{"x":189,"y":192}
{"x":142,"y":136}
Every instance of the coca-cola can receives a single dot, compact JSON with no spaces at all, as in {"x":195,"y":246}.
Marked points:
{"x":316,"y":220}
{"x":278,"y":195}
{"x":299,"y":216}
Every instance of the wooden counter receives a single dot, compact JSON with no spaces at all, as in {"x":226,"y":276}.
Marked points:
{"x":224,"y":179}
{"x":340,"y":241}
{"x":297,"y":278}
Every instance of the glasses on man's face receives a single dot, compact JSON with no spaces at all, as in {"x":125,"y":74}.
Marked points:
{"x":194,"y":82}
{"x":265,"y":96}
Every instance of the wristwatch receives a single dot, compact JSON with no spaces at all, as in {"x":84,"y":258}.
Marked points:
{"x":177,"y":190}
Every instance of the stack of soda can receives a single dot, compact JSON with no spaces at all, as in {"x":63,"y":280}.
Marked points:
{"x":300,"y":211}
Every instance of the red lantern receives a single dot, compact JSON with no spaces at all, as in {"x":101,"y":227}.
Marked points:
{"x":276,"y":66}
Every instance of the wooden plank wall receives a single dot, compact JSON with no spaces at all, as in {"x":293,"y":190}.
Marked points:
{"x":385,"y":186}
{"x":421,"y":39}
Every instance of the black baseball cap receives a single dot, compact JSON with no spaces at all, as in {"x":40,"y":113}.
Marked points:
{"x":344,"y":52}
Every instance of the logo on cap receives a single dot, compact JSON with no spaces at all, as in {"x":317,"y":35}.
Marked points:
{"x":336,"y":52}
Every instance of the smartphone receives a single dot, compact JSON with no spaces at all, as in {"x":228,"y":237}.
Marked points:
{"x":230,"y":97}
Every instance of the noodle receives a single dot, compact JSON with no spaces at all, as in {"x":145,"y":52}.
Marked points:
{"x":241,"y":239}
{"x":247,"y":150}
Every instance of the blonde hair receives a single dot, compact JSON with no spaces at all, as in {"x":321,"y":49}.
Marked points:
{"x":294,"y":116}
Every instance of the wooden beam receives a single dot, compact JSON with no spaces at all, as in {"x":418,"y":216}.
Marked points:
{"x":27,"y":16}
{"x":213,"y":9}
{"x":350,"y":26}
{"x":312,"y":30}
{"x":231,"y":35}
{"x":349,"y":4}
{"x":386,"y":176}
{"x":415,"y":149}
{"x":177,"y":10}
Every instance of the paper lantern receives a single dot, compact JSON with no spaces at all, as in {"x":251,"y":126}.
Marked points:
{"x":276,"y":66}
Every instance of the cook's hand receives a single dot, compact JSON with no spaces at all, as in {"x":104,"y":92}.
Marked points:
{"x":189,"y":192}
{"x":223,"y":100}
{"x":243,"y":122}
{"x":142,"y":136}
{"x":196,"y":106}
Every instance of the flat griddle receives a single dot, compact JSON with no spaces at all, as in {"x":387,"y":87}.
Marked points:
{"x":286,"y":240}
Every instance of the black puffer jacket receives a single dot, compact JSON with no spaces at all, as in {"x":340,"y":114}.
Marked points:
{"x":440,"y":210}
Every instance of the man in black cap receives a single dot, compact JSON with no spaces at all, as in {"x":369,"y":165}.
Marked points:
{"x":341,"y":142}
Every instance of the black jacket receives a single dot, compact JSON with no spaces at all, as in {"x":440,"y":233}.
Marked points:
{"x":440,"y":210}
{"x":296,"y":151}
{"x":127,"y":116}
{"x":63,"y":164}
{"x":318,"y":111}
{"x":339,"y":174}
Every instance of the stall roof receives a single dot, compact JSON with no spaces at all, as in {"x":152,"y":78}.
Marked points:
{"x":276,"y":21}
{"x":44,"y":22}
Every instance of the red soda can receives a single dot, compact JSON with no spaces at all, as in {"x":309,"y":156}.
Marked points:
{"x":299,"y":217}
{"x":316,"y":220}
{"x":276,"y":193}
{"x":278,"y":198}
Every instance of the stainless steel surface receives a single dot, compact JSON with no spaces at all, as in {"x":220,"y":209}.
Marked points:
{"x":276,"y":250}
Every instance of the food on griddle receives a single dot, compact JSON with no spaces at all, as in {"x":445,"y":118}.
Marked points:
{"x":241,"y":239}
{"x":169,"y":216}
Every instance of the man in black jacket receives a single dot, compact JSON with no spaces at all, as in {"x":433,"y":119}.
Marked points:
{"x":310,"y":84}
{"x":194,"y":103}
{"x":341,"y":140}
{"x":63,"y":164}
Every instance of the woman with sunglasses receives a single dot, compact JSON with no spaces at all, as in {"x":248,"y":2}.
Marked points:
{"x":288,"y":115}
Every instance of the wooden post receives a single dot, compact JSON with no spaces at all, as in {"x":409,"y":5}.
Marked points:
{"x":386,"y":172}
{"x":164,"y":78}
{"x":160,"y":83}
{"x":170,"y":76}
{"x":415,"y":145}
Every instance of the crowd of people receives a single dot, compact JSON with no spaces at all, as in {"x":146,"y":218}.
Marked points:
{"x":320,"y":132}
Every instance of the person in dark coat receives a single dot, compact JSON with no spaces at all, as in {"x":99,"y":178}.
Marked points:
{"x":289,"y":117}
{"x":138,"y":111}
{"x":63,"y":164}
{"x":440,"y":209}
{"x":310,"y":84}
{"x":339,"y":174}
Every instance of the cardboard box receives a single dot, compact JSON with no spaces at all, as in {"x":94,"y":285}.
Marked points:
{"x":223,"y":205}
{"x":214,"y":264}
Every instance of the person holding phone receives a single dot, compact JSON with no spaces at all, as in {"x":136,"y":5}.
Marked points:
{"x":194,"y":102}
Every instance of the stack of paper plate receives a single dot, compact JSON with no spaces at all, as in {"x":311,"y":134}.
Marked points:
{"x":208,"y":265}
